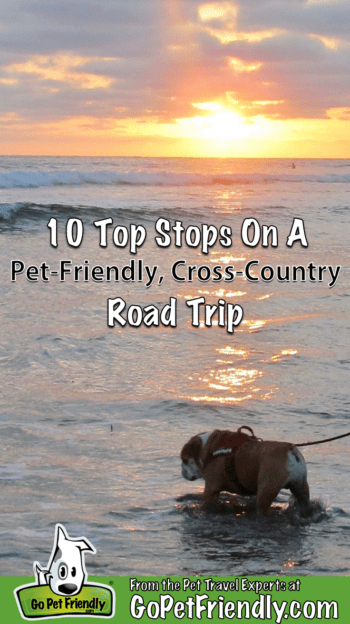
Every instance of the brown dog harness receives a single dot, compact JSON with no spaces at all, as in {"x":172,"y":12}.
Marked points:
{"x":227,"y":443}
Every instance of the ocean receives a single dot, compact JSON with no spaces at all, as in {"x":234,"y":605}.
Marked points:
{"x":93,"y":417}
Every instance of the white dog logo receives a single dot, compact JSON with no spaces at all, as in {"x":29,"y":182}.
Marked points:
{"x":65,"y":573}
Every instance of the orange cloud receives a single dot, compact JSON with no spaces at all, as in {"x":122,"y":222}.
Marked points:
{"x":218,"y":10}
{"x":227,"y":13}
{"x":228,"y":36}
{"x":241,"y":66}
{"x":332,"y":43}
{"x":61,"y":68}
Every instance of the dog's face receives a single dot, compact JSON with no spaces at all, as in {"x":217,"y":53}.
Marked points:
{"x":190,"y":458}
{"x":190,"y":470}
{"x":67,"y":571}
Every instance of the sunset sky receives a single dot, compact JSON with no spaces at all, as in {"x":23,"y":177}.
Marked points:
{"x":252,"y":78}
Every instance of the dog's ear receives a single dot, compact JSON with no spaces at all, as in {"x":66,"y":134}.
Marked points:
{"x":192,"y":449}
{"x":62,"y":537}
{"x":42,"y":575}
{"x":84,"y":544}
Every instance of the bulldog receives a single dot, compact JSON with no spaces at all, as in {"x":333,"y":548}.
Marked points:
{"x":241,"y":463}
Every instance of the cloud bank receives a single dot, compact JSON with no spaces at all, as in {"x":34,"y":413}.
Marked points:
{"x":115,"y":63}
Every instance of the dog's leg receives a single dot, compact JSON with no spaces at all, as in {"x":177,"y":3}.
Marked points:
{"x":212,"y":489}
{"x":271,"y":478}
{"x":297,"y":480}
{"x":300,"y":489}
{"x":210,"y":495}
{"x":267,"y":493}
{"x":211,"y":501}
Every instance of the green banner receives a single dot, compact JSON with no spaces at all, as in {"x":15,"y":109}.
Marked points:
{"x":273,"y":599}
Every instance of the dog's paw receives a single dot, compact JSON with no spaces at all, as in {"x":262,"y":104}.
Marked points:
{"x":313,"y":512}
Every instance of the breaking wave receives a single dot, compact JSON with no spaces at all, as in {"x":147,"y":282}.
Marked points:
{"x":37,"y":179}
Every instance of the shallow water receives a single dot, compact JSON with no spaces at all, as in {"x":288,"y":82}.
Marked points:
{"x":92,"y":419}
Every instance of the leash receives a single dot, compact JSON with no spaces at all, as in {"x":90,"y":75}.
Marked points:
{"x":344,"y":435}
{"x":229,"y":447}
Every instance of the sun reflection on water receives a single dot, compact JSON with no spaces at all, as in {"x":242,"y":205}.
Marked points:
{"x":284,"y":353}
{"x":217,"y":293}
{"x":234,"y":384}
{"x":232,"y":377}
{"x":254,"y":325}
{"x":231,"y":381}
{"x":232,"y":351}
{"x":290,"y":564}
{"x":228,"y":201}
{"x":226,"y":259}
{"x":239,"y":373}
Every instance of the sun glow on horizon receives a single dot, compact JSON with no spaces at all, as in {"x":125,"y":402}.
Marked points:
{"x":219,"y":130}
{"x":224,"y":124}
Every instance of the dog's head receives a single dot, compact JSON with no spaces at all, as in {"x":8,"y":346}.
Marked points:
{"x":191,"y":464}
{"x":66,"y":572}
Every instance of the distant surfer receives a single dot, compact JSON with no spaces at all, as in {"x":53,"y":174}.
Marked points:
{"x":293,"y":165}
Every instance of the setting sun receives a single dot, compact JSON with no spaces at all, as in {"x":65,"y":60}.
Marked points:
{"x":224,"y":125}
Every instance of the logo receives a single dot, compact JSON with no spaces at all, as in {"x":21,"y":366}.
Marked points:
{"x":60,"y":589}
